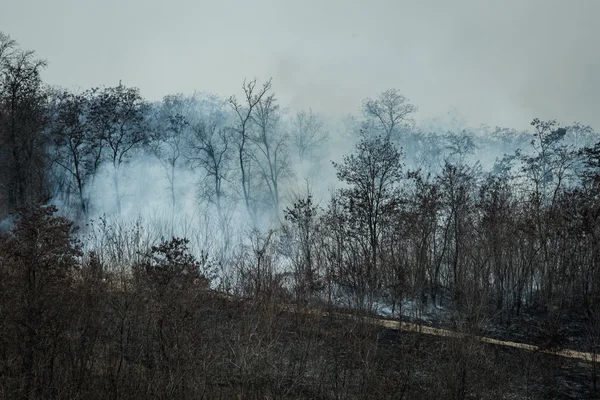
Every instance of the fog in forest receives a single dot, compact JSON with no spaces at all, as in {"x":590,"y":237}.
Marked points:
{"x":166,"y":166}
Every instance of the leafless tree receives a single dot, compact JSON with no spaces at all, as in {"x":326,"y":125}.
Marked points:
{"x":389,"y":112}
{"x":308,"y":133}
{"x":170,"y":135}
{"x":271,"y":146}
{"x":78,"y":150}
{"x":209,"y":149}
{"x":119,"y":116}
{"x":244,"y":112}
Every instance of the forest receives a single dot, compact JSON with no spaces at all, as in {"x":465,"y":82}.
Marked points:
{"x":165,"y":249}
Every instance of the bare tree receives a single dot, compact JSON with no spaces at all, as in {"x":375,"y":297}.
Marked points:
{"x":209,"y":148}
{"x":169,"y":137}
{"x":271,"y":145}
{"x":308,"y":133}
{"x":243,"y":112}
{"x":389,"y":111}
{"x":78,"y":151}
{"x":119,"y":117}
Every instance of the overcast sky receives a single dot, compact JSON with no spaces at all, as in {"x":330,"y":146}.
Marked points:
{"x":496,"y":62}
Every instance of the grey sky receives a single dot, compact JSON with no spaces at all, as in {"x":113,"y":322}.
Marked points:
{"x":497,"y":62}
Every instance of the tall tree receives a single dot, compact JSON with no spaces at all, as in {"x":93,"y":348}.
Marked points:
{"x":459,"y":146}
{"x":389,"y":112}
{"x":271,"y":146}
{"x":119,"y":116}
{"x":373,"y":194}
{"x":243,"y":112}
{"x":170,"y":133}
{"x":550,"y":160}
{"x":456,"y":183}
{"x":23,"y":124}
{"x":78,"y":150}
{"x":546,"y":167}
{"x":209,"y":148}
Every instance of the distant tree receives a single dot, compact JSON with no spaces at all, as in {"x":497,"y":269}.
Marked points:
{"x":119,"y":116}
{"x":424,"y":151}
{"x":581,"y":135}
{"x":271,"y":146}
{"x":170,"y":135}
{"x":504,"y":165}
{"x":592,"y":164}
{"x":308,"y":144}
{"x":308,"y":133}
{"x":243,"y":112}
{"x":550,"y":161}
{"x":459,"y":146}
{"x":389,"y":112}
{"x":77,"y":149}
{"x":506,"y":140}
{"x":209,"y":149}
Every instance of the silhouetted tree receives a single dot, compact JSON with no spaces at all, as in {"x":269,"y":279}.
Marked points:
{"x":38,"y":259}
{"x":78,"y":150}
{"x":23,"y":123}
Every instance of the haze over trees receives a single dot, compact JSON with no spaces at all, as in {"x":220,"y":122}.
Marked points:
{"x":145,"y":247}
